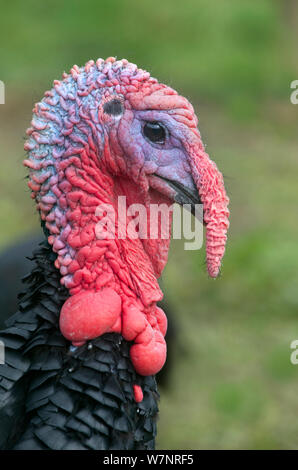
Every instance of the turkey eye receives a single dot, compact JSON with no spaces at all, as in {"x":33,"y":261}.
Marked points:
{"x":155,"y":132}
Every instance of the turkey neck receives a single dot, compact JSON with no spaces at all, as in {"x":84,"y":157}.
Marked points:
{"x":72,"y":398}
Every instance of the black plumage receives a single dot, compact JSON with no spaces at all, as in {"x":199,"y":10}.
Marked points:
{"x":14,"y":265}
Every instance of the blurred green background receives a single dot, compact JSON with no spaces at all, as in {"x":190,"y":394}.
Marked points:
{"x":232,"y":383}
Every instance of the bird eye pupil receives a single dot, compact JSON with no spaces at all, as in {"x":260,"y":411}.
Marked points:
{"x":155,"y":132}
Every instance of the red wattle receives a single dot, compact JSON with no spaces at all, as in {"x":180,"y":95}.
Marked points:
{"x":148,"y":355}
{"x":149,"y":358}
{"x":133,"y":321}
{"x":161,"y":320}
{"x":88,"y":315}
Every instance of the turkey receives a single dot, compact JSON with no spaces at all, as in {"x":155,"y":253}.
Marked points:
{"x":82,"y":352}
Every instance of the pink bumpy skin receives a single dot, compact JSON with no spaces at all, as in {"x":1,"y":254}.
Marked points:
{"x":88,"y":144}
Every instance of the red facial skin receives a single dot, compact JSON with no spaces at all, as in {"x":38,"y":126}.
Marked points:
{"x":81,"y":157}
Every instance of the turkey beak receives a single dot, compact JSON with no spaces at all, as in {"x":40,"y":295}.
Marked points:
{"x":184,"y":195}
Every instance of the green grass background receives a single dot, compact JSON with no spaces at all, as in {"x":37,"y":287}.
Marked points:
{"x":232,"y":384}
